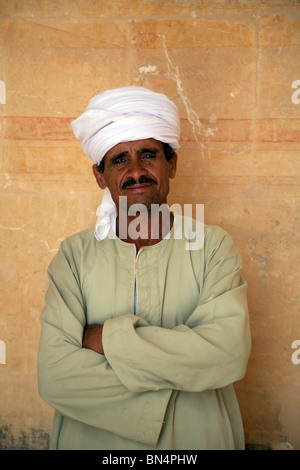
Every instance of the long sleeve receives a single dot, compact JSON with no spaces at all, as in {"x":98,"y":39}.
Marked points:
{"x":166,"y":365}
{"x":209,"y":351}
{"x":79,"y":383}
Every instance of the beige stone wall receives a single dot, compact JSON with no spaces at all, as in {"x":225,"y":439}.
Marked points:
{"x":229,"y":65}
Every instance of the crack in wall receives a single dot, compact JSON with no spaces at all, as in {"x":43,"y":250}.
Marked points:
{"x":21,"y":229}
{"x":199,"y":131}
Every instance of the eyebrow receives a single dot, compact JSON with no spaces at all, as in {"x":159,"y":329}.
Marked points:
{"x":148,"y":150}
{"x":139,"y":152}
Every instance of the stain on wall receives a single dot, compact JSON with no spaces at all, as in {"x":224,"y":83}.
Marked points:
{"x":30,"y":439}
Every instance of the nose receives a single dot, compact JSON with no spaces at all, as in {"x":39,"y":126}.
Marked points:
{"x":135,"y":168}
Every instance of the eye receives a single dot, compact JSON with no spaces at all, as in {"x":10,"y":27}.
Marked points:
{"x":148,"y":156}
{"x":119,"y":160}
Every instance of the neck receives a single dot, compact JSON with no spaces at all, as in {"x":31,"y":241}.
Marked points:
{"x":145,"y":229}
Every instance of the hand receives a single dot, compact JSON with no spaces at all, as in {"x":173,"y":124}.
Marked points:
{"x":92,"y":338}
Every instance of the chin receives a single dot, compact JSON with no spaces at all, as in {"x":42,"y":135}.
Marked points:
{"x":143,"y":201}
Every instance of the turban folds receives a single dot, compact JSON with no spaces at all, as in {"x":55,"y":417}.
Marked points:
{"x":124,"y":115}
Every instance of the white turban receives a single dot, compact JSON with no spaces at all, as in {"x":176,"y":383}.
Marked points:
{"x":123,"y":115}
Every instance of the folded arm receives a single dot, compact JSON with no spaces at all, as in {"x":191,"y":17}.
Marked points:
{"x":209,"y":351}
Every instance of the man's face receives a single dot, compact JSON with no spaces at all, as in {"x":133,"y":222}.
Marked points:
{"x":138,"y":170}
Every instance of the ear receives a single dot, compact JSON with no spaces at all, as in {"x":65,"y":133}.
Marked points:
{"x":173,"y":165}
{"x":99,"y":177}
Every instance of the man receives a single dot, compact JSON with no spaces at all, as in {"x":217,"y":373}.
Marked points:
{"x":141,"y":336}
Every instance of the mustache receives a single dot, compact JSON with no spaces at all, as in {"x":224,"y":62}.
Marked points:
{"x":142,"y":180}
